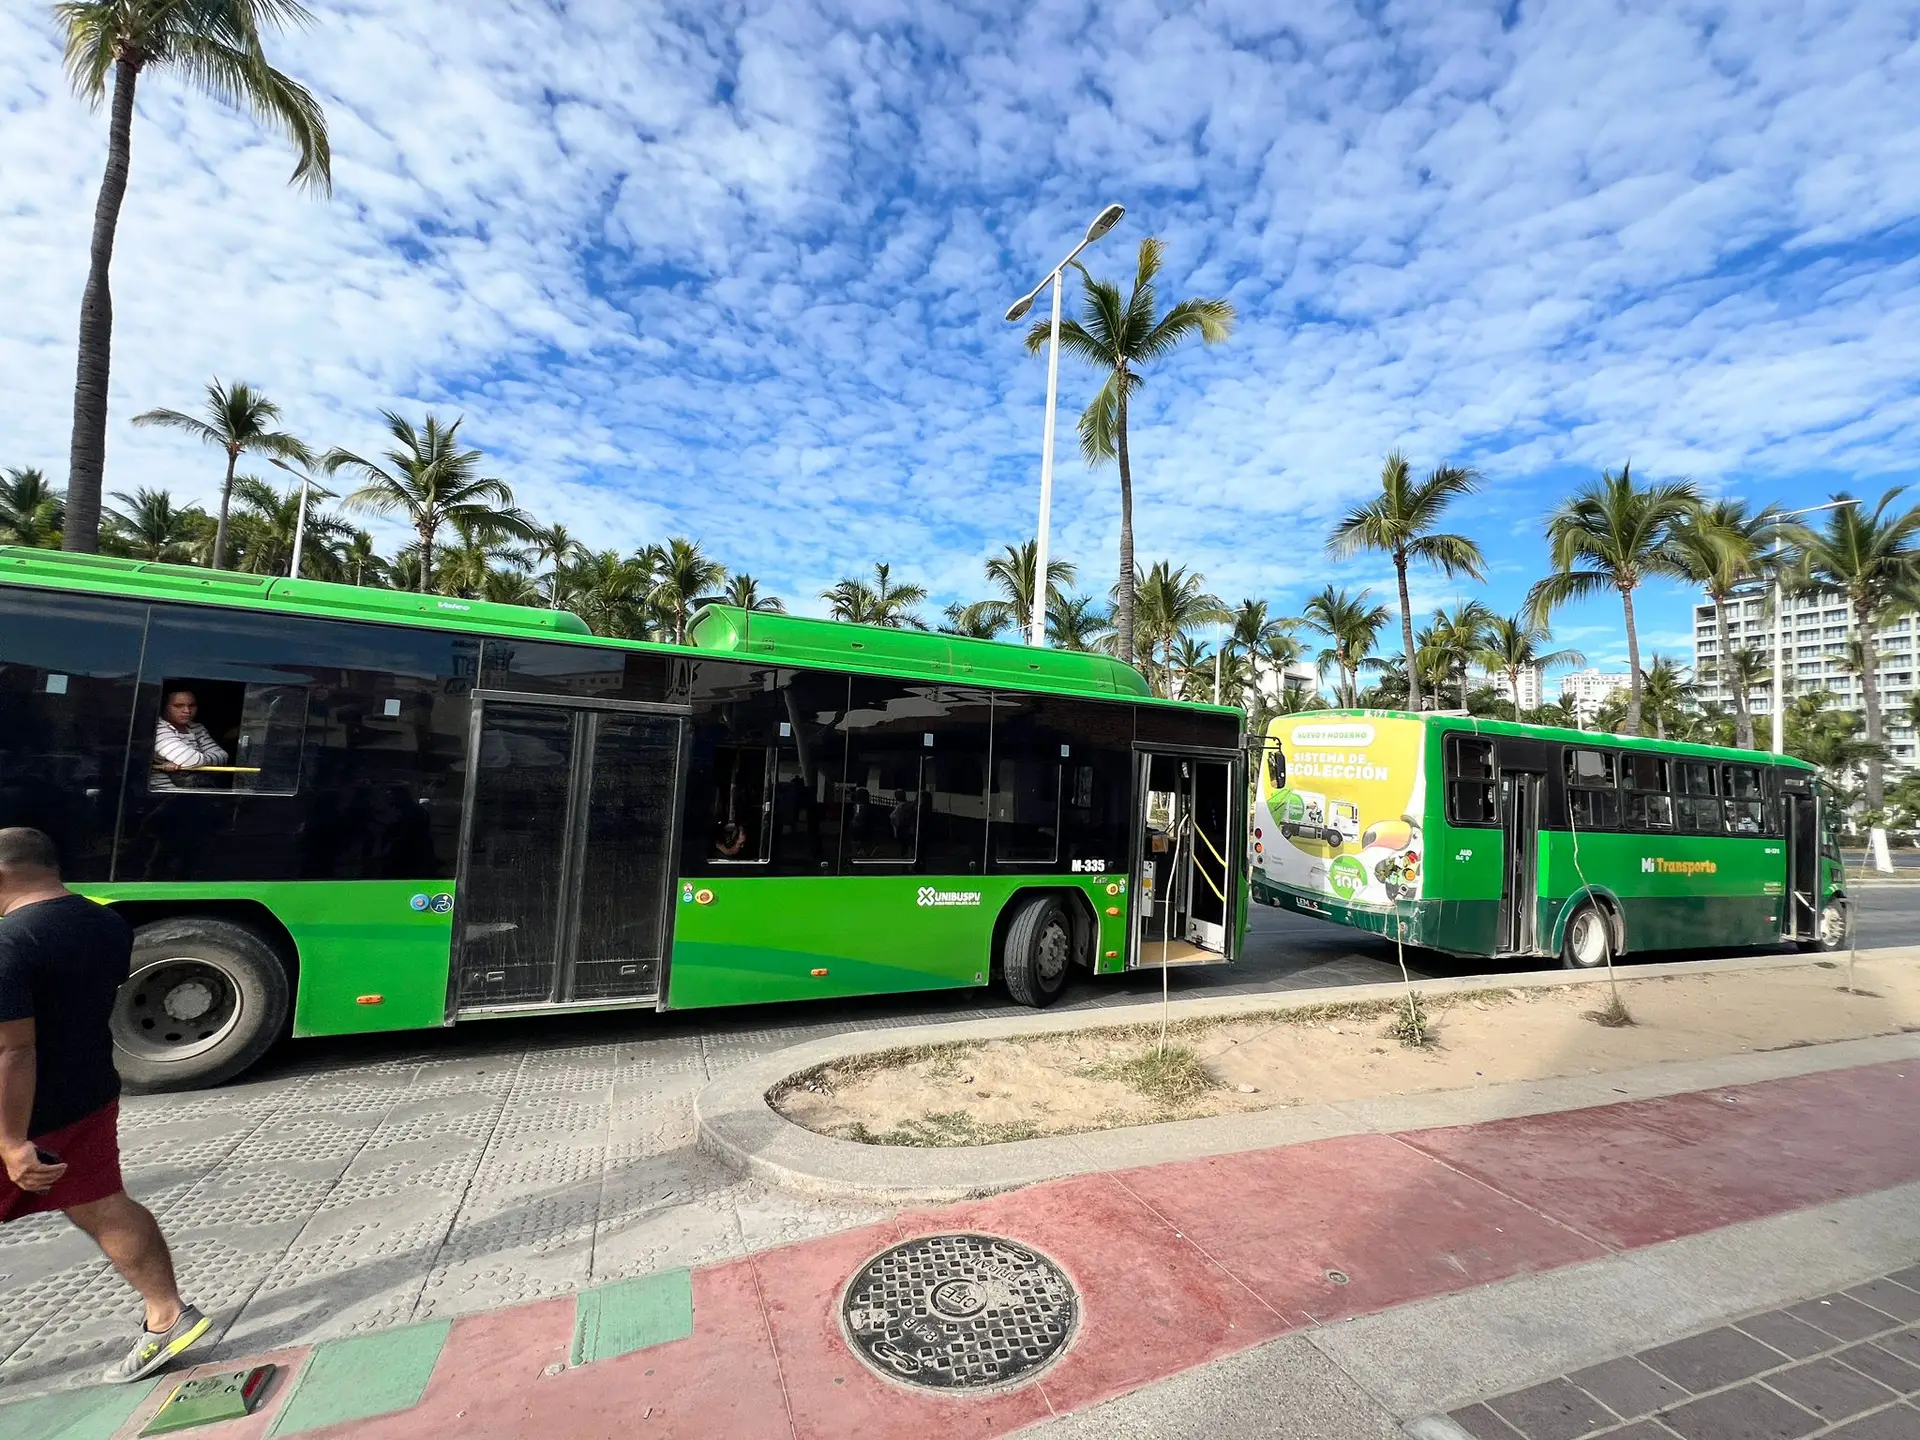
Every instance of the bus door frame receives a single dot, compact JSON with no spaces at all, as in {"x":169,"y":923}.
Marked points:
{"x":1235,"y":761}
{"x":572,"y":838}
{"x":1522,"y":794}
{"x":1800,"y":853}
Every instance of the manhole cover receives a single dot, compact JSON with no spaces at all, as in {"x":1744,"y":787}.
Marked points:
{"x":959,"y":1312}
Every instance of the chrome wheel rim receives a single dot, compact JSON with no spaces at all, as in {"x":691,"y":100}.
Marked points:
{"x":176,"y":1008}
{"x":1589,"y":944}
{"x":1833,"y":925}
{"x":1051,"y":952}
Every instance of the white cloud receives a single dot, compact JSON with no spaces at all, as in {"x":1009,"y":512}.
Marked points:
{"x":738,"y":271}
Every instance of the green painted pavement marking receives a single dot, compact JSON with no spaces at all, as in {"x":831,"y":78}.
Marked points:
{"x":629,"y":1315}
{"x":365,"y":1375}
{"x":90,"y":1414}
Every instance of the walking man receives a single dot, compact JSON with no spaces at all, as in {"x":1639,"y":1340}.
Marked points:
{"x":62,"y":957}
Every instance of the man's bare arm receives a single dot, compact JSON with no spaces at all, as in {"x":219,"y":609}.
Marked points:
{"x":17,"y":1058}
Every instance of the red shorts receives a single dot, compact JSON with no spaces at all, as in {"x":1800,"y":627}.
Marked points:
{"x":90,"y":1146}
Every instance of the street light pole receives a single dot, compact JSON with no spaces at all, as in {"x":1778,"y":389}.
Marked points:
{"x":1037,"y":613}
{"x":300,"y":521}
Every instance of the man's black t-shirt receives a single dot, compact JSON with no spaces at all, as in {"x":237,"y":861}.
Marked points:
{"x":60,"y":963}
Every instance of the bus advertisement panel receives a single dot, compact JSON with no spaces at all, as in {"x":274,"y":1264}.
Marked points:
{"x":1339,"y":813}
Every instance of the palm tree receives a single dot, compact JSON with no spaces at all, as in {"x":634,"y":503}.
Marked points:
{"x":1118,"y":336}
{"x":433,"y":482}
{"x":1351,"y":624}
{"x":237,"y":421}
{"x":1612,"y":534}
{"x":1399,"y":523}
{"x":609,"y":590}
{"x":510,"y":587}
{"x":1076,"y":622}
{"x":743,"y":593}
{"x":1721,"y":547}
{"x":263,"y":531}
{"x":554,"y":547}
{"x":31,"y":510}
{"x":215,"y":46}
{"x":1455,"y":638}
{"x":1667,"y":694}
{"x":149,"y":526}
{"x":1010,"y":573}
{"x":360,"y":562}
{"x":1870,"y":557}
{"x":483,"y":553}
{"x":1254,"y":631}
{"x":683,"y":574}
{"x":1512,"y":645}
{"x":981,"y":620}
{"x":882,"y":603}
{"x":1169,"y":601}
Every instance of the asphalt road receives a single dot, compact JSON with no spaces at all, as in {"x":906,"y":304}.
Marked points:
{"x":1284,"y":951}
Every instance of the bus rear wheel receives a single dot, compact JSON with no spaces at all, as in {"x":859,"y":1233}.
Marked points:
{"x":1038,"y":951}
{"x":1586,"y":942}
{"x":204,"y":1000}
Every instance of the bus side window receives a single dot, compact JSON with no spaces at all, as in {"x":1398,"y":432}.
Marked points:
{"x":1649,"y":806}
{"x":229,"y":738}
{"x":1471,"y":792}
{"x":1697,"y":802}
{"x":742,"y":804}
{"x":1746,"y":799}
{"x":1593,"y":795}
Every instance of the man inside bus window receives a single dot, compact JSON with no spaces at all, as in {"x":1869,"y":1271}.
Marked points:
{"x":180,"y":741}
{"x":729,"y":840}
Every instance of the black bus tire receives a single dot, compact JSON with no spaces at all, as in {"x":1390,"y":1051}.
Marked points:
{"x":1587,"y":940}
{"x":206,"y":998}
{"x":1836,"y":927}
{"x":1038,"y":951}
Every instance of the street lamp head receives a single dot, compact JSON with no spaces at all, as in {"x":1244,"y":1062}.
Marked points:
{"x":1020,"y":307}
{"x":1105,"y":221}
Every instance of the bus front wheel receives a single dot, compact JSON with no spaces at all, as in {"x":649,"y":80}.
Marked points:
{"x":1836,"y":926}
{"x":1586,"y":942}
{"x":205,"y":999}
{"x":1038,"y":951}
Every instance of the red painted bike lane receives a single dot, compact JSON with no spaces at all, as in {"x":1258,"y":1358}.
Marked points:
{"x":1182,"y":1263}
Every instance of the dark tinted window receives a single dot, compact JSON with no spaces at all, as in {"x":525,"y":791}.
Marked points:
{"x":1696,"y":808}
{"x":763,"y":784}
{"x":1597,"y":769}
{"x":1593,"y":802}
{"x":380,"y":775}
{"x":1746,"y":807}
{"x":1471,"y":796}
{"x":1091,"y":742}
{"x":67,"y":668}
{"x":1162,"y":725}
{"x":915,"y":792}
{"x":1645,"y":772}
{"x":1649,"y":812}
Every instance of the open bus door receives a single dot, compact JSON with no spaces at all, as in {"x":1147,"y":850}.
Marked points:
{"x":1520,"y":858}
{"x":1186,"y":866}
{"x":1800,"y":916}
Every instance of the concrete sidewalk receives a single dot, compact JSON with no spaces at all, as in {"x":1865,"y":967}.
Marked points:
{"x":1337,"y":1287}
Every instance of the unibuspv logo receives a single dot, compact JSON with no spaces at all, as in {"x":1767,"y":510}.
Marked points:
{"x":931,"y":896}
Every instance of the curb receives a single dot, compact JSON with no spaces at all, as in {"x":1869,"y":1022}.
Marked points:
{"x":736,"y":1125}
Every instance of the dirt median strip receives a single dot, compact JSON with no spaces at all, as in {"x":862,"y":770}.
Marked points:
{"x":738,"y":1125}
{"x":1007,"y":1089}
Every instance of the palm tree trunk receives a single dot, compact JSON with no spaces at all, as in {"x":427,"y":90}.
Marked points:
{"x":220,"y":529}
{"x":1742,"y":720}
{"x":1123,"y":627}
{"x":1864,"y":619}
{"x":426,"y":559}
{"x":87,"y":456}
{"x":1633,"y":665}
{"x":1406,"y":632}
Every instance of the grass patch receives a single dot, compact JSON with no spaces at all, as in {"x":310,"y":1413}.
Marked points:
{"x":1412,"y":1023}
{"x":944,"y":1130}
{"x":1171,"y":1077}
{"x":1614,"y":1014}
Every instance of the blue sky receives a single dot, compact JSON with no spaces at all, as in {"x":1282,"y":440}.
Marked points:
{"x":737,"y":270}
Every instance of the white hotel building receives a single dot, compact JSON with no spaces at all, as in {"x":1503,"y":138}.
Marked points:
{"x":1816,"y":630}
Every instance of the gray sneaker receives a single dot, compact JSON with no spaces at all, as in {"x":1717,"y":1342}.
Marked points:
{"x":151,"y":1352}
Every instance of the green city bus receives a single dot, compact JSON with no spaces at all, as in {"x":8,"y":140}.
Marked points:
{"x":1486,"y":838}
{"x":437,"y":809}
